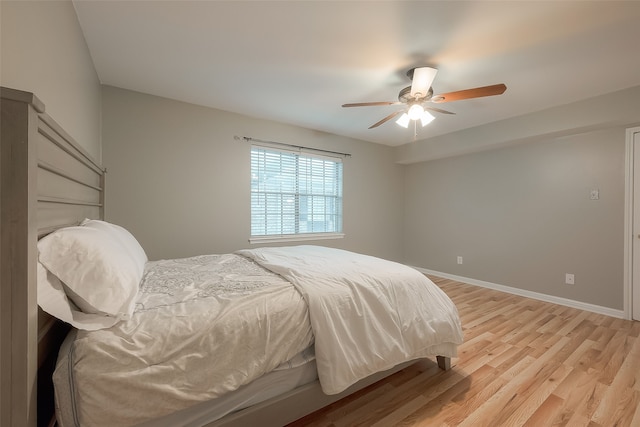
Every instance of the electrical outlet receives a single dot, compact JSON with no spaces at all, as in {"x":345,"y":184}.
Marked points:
{"x":595,"y":194}
{"x":459,"y":260}
{"x":569,"y":279}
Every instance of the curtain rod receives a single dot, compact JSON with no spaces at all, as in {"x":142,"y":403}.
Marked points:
{"x":299,"y":147}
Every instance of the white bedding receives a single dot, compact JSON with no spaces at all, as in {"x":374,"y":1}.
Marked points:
{"x":367,"y":314}
{"x":205,"y":326}
{"x":202,"y":327}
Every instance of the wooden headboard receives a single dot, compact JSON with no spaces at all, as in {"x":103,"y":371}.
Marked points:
{"x":48,"y":181}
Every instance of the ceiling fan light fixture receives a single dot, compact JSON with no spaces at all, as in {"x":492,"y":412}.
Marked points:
{"x":403,"y":120}
{"x":422,"y":79}
{"x":426,"y":118}
{"x":415,"y":111}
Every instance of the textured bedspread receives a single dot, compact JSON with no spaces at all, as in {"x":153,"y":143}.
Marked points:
{"x":367,"y":314}
{"x":203,"y":326}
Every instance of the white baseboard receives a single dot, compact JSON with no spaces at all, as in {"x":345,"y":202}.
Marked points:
{"x":529,"y":294}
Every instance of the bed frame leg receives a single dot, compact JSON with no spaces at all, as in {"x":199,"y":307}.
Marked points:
{"x":444,"y":363}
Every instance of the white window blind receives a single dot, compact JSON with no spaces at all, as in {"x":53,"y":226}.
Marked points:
{"x":294,"y":194}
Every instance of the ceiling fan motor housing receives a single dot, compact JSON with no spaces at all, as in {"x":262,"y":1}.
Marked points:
{"x":405,"y":95}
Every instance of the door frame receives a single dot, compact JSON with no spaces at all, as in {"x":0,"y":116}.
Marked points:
{"x":628,"y":222}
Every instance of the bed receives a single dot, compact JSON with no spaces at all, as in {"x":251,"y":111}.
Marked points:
{"x":151,"y":339}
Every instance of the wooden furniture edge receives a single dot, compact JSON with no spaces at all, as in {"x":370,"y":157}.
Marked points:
{"x":30,"y":338}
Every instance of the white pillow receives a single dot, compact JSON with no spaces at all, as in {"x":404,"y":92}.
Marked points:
{"x":99,"y":274}
{"x":53,"y":299}
{"x":130,"y":243}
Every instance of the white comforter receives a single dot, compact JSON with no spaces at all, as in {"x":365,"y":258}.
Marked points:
{"x":367,"y":314}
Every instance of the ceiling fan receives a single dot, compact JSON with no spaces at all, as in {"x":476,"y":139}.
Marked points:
{"x":420,"y":92}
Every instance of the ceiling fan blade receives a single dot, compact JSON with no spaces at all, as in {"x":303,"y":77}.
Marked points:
{"x":386,"y":119}
{"x":371,"y":104}
{"x":421,"y":81}
{"x":438,"y":110}
{"x":477,"y":92}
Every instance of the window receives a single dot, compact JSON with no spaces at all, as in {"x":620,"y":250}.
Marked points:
{"x":294,"y":195}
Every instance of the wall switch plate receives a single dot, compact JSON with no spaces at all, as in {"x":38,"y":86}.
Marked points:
{"x":459,"y":260}
{"x":569,"y":279}
{"x":595,"y":194}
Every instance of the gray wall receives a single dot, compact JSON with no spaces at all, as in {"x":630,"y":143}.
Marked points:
{"x":180,"y":182}
{"x":522,"y":217}
{"x":519,"y":215}
{"x":44,"y":52}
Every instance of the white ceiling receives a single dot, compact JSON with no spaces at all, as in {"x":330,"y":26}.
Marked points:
{"x":297,"y":62}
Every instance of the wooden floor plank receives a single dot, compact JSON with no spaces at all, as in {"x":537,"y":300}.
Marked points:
{"x":524,"y":363}
{"x":546,"y":412}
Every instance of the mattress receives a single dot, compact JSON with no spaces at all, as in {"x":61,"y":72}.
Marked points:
{"x":294,"y":373}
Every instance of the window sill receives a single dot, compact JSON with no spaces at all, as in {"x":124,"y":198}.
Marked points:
{"x":295,"y":237}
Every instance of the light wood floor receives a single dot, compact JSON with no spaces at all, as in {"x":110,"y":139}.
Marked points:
{"x":523,"y":363}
